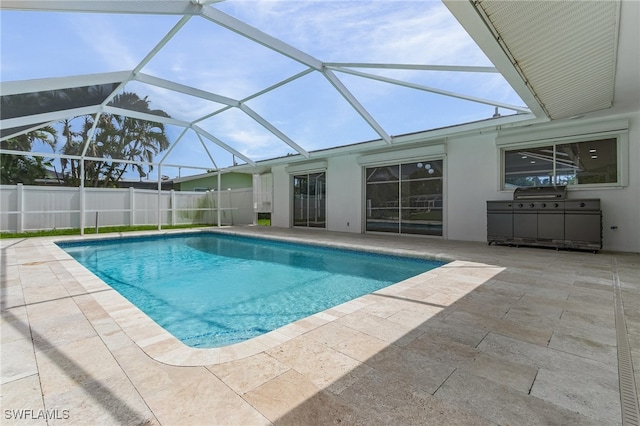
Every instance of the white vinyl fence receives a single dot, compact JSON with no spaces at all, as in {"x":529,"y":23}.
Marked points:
{"x":31,"y":208}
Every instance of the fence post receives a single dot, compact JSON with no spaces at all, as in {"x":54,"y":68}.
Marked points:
{"x":173,"y":208}
{"x":132,"y":206}
{"x":82,"y":195}
{"x":159,"y":197}
{"x":19,"y":207}
{"x":218,"y":197}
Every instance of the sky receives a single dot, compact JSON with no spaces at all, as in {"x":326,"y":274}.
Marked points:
{"x":308,"y":110}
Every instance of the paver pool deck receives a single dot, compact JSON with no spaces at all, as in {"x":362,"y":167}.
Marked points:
{"x":500,"y":335}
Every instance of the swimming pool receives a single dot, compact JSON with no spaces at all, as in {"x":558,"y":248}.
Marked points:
{"x":211,"y":290}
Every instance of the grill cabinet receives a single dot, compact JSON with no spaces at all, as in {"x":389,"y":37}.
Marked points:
{"x":543,"y":216}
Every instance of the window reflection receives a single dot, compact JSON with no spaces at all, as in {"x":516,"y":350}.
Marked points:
{"x":405,"y":198}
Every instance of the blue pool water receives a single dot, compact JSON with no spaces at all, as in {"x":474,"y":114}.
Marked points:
{"x":211,"y":290}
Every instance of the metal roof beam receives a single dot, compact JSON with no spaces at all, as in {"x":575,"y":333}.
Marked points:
{"x":264,"y":123}
{"x":144,"y":116}
{"x":156,"y":7}
{"x":206,"y":150}
{"x":58,"y":83}
{"x":434,"y":90}
{"x":418,"y":67}
{"x":223,"y":145}
{"x":255,"y":95}
{"x":26,"y":130}
{"x":335,"y":81}
{"x":173,"y":145}
{"x":47,"y":117}
{"x":254,"y":34}
{"x":90,"y":134}
{"x":187,"y":90}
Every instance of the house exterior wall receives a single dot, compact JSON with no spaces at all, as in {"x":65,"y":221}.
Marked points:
{"x":281,"y":213}
{"x":472,"y":176}
{"x":210,"y":182}
{"x":344,"y":194}
{"x":472,"y":165}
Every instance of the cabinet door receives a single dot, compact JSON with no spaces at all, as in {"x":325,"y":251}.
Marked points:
{"x":584,"y":227}
{"x":551,"y":226}
{"x":525,"y":225}
{"x":500,"y":225}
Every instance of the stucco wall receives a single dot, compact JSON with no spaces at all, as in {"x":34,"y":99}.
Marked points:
{"x":472,"y":177}
{"x":281,"y":214}
{"x":344,"y":194}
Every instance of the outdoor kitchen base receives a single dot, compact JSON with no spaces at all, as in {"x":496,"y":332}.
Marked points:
{"x":543,"y":216}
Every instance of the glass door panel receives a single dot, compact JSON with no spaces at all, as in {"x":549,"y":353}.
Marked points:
{"x":421,"y":211}
{"x":309,"y":200}
{"x":317,"y":193}
{"x":383,"y":199}
{"x":300,"y":200}
{"x":405,"y":198}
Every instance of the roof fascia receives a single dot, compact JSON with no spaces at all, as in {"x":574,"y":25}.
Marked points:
{"x":473,"y":23}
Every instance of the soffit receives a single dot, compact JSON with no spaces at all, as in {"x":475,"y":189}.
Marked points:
{"x":565,"y":51}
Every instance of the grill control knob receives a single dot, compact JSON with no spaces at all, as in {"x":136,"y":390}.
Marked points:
{"x":555,"y":204}
{"x":520,"y":205}
{"x":582,"y":204}
{"x":531,"y":205}
{"x":544,"y":204}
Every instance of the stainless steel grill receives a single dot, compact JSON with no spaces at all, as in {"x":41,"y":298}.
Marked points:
{"x":540,"y":193}
{"x":543,"y":216}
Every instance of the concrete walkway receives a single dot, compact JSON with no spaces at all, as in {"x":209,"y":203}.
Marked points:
{"x":500,"y":335}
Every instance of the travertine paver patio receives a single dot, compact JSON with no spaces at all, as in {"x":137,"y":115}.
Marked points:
{"x":500,"y":335}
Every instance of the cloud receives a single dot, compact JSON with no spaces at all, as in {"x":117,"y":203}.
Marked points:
{"x":386,"y":31}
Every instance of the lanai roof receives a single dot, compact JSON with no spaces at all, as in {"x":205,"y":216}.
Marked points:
{"x":248,"y":81}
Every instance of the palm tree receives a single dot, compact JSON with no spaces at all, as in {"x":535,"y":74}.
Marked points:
{"x":116,"y":138}
{"x":24,"y":168}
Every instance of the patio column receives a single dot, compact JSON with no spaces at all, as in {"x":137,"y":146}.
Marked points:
{"x":82,"y":218}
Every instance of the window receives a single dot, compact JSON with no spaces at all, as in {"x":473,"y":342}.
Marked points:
{"x":309,"y":200}
{"x":584,"y":162}
{"x":405,"y":198}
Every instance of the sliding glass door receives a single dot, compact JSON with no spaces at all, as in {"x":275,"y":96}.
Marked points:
{"x":309,"y":200}
{"x":405,"y":198}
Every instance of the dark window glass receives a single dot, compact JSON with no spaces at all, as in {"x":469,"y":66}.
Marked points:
{"x":529,"y":167}
{"x":411,"y":204}
{"x":576,"y":163}
{"x":587,"y":162}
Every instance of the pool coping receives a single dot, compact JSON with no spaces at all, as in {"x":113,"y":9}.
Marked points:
{"x":163,"y":347}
